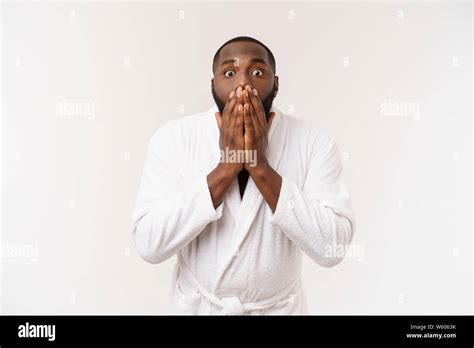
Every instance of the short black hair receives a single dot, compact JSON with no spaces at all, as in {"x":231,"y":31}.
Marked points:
{"x":271,"y":58}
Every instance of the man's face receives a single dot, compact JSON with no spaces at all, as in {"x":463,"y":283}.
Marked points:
{"x":239,"y":64}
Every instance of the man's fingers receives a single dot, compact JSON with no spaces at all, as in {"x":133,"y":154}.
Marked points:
{"x":234,"y":114}
{"x":229,"y":106}
{"x":239,"y":120}
{"x":247,"y":118}
{"x":258,"y":107}
{"x":236,"y":109}
{"x":227,"y":119}
{"x":253,"y":118}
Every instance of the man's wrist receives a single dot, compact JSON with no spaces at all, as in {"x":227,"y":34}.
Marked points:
{"x":229,"y":169}
{"x":260,"y":170}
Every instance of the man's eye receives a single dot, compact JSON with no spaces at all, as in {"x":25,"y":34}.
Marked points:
{"x":229,"y":73}
{"x":257,"y":72}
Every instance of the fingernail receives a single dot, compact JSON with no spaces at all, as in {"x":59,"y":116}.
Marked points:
{"x":239,"y":89}
{"x":248,"y":88}
{"x":255,"y":91}
{"x":239,"y":93}
{"x":231,"y":94}
{"x":240,"y":107}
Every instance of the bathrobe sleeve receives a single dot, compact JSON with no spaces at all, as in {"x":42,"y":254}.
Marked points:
{"x":318,"y":217}
{"x":168,"y":214}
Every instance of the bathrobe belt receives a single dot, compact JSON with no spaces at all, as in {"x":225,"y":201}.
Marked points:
{"x":232,"y":305}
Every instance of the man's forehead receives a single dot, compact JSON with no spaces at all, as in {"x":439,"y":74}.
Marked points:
{"x":243,"y":51}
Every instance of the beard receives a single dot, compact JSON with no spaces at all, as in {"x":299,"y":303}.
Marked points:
{"x":266,"y":102}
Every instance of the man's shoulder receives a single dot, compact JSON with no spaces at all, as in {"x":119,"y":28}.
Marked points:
{"x":309,"y":134}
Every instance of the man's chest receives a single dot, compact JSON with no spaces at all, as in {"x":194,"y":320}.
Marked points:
{"x":243,"y":178}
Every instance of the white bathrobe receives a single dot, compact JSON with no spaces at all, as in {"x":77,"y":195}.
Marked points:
{"x":241,"y":258}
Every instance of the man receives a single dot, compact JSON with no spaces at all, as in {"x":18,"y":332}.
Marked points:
{"x":239,"y":193}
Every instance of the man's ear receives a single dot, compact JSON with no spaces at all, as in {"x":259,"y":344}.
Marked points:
{"x":277,"y":86}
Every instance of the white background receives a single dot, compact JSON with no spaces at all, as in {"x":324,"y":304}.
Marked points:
{"x":70,"y":180}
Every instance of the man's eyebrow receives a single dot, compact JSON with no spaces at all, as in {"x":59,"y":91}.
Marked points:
{"x":258,"y":60}
{"x":228,"y":61}
{"x":252,"y":60}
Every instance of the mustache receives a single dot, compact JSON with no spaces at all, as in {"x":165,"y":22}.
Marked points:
{"x":267,"y":102}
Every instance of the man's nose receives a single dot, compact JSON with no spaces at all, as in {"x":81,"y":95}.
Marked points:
{"x":244,"y":81}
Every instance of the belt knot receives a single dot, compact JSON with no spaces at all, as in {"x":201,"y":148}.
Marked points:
{"x":232,"y":306}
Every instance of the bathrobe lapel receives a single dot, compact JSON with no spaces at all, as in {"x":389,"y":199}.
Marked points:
{"x":233,"y":199}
